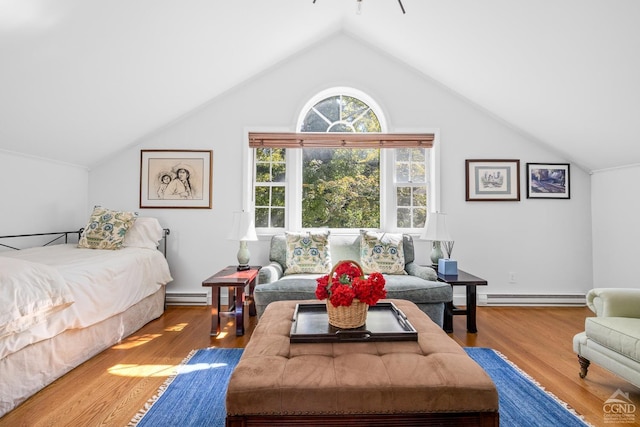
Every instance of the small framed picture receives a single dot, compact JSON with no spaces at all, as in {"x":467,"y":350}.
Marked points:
{"x":493,"y":180}
{"x":176,"y":179}
{"x":548,"y":181}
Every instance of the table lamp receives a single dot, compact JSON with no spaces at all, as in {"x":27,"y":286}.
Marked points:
{"x":243,"y":230}
{"x":436,"y":231}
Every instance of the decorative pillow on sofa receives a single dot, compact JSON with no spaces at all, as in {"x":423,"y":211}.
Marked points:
{"x":106,"y":229}
{"x":308,"y":252}
{"x":381,"y":252}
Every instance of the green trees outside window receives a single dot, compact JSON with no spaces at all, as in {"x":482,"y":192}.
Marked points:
{"x":341,"y":186}
{"x":270,"y":187}
{"x":411,"y":189}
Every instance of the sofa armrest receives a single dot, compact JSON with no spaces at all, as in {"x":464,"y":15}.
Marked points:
{"x":270,"y":273}
{"x":423,"y":272}
{"x":614,"y":302}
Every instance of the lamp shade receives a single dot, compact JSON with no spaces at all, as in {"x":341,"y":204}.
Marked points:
{"x":436,"y":228}
{"x":243,"y":227}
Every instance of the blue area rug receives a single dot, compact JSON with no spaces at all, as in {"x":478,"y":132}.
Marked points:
{"x":522,"y":401}
{"x":196,"y":395}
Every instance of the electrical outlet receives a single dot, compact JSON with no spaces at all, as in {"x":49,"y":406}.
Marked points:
{"x":512,"y":277}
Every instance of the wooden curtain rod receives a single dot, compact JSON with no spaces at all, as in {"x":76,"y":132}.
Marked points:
{"x":339,"y":139}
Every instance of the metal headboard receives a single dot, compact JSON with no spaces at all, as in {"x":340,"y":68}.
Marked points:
{"x":58,"y":235}
{"x":165,"y":234}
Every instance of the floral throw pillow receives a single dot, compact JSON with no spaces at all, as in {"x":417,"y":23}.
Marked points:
{"x":106,"y":229}
{"x":381,"y":252}
{"x":308,"y":252}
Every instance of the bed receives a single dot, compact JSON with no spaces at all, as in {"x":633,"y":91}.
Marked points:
{"x":62,"y":303}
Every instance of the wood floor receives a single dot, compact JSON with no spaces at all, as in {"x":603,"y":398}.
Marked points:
{"x":109,"y":389}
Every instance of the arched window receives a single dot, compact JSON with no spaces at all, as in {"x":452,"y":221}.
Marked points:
{"x":340,"y":186}
{"x":341,"y":183}
{"x":340,"y":113}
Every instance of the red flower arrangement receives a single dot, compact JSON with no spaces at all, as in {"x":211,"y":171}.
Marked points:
{"x":348,"y":283}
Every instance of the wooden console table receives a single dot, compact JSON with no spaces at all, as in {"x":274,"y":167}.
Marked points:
{"x":237,"y":281}
{"x":470,"y":282}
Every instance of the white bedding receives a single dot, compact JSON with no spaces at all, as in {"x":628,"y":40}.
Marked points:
{"x":102,"y":283}
{"x":22,"y":307}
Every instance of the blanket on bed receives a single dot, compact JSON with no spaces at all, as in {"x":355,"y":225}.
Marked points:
{"x":75,"y":288}
{"x":29,"y":292}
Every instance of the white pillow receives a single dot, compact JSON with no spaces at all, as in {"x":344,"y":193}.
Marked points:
{"x":145,"y":233}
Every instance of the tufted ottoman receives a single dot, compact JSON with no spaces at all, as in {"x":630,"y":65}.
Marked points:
{"x":431,"y":381}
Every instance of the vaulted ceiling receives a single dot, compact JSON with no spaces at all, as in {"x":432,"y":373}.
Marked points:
{"x":83,"y":79}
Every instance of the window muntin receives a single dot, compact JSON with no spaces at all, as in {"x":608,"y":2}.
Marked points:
{"x":340,"y":113}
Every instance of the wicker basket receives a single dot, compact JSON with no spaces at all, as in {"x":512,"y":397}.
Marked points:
{"x":347,"y":317}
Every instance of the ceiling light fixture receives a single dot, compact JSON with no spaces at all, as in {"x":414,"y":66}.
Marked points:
{"x":359,"y":6}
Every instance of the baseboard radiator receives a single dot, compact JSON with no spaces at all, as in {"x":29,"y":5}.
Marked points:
{"x":532,"y":299}
{"x":201,"y":298}
{"x":193,"y":298}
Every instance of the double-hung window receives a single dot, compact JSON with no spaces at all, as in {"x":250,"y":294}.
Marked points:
{"x":270,"y":171}
{"x":340,"y":171}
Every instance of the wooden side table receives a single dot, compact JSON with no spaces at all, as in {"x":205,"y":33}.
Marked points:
{"x":470,"y":282}
{"x":235,"y":281}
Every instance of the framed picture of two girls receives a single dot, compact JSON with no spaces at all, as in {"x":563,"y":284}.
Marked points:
{"x":176,"y":179}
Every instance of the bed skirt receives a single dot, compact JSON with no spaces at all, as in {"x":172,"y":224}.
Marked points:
{"x":29,"y":370}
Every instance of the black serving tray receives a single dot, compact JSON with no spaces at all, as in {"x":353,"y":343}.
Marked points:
{"x":385,"y":322}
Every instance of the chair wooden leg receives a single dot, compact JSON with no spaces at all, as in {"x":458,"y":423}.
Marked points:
{"x":584,"y":366}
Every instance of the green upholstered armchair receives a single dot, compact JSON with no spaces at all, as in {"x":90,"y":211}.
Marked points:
{"x":612,"y":339}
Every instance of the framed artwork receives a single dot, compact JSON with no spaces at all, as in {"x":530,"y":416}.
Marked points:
{"x":176,"y":179}
{"x":492,"y":180}
{"x":548,"y":181}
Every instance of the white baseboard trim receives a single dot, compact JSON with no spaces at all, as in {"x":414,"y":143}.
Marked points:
{"x":562,"y":300}
{"x":187,"y":298}
{"x":202,"y":298}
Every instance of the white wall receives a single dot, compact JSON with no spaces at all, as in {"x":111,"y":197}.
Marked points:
{"x":547,"y":243}
{"x":616,"y":229}
{"x":40,"y":195}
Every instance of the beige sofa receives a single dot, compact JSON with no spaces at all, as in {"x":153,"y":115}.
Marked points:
{"x":420,"y":285}
{"x":612,"y":339}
